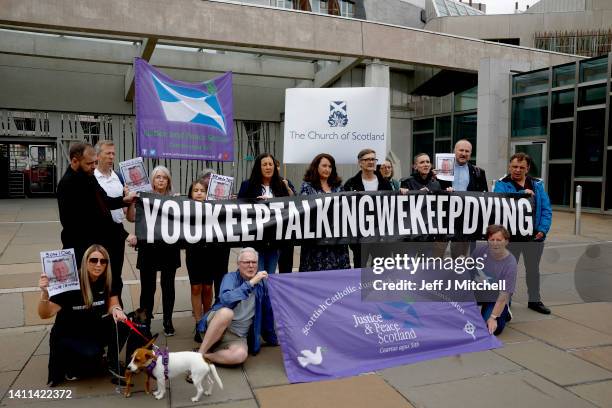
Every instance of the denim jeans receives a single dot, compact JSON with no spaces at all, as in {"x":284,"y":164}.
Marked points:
{"x":268,"y":260}
{"x":487,"y":309}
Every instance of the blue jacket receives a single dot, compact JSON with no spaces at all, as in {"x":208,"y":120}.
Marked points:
{"x":234,"y":289}
{"x":543,"y":210}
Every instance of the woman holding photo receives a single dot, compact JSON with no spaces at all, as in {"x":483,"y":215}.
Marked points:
{"x":206,"y":264}
{"x":83,"y":326}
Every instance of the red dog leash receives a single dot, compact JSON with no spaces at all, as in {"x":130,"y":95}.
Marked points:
{"x":129,"y":324}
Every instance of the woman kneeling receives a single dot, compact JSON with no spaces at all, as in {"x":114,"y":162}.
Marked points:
{"x":82,"y":329}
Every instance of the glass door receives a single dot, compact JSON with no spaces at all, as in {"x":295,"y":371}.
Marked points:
{"x":42,"y":169}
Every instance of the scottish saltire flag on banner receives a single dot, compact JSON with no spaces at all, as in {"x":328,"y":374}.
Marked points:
{"x":326,"y":331}
{"x":181,"y":120}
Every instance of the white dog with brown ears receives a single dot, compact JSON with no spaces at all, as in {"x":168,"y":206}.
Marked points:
{"x":163,"y":365}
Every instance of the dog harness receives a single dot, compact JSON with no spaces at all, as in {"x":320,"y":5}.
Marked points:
{"x":157,"y":352}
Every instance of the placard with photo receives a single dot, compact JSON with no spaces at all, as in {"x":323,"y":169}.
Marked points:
{"x":219,"y":187}
{"x":61,"y":268}
{"x":445,"y":166}
{"x":135,"y":175}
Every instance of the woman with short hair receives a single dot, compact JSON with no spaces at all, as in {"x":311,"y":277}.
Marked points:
{"x":422,"y":177}
{"x":81,"y":330}
{"x":159,"y":256}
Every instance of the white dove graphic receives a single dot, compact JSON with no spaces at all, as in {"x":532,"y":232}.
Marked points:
{"x":315,"y":358}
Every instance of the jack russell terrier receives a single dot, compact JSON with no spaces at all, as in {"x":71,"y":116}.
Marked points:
{"x":163,"y":365}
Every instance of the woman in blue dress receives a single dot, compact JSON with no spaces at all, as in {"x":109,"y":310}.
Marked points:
{"x":322,"y":178}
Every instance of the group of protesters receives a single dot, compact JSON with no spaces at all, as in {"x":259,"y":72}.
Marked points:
{"x":231,"y":310}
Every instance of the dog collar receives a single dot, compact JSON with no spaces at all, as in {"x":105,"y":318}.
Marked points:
{"x":163,"y":352}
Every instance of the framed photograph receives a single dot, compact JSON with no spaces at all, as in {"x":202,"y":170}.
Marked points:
{"x":135,"y":175}
{"x":61,"y":268}
{"x":445,"y":166}
{"x":219,"y":187}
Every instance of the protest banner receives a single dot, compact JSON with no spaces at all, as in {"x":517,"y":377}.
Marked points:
{"x":355,"y":217}
{"x":219,"y":187}
{"x":61,"y":269}
{"x":135,"y":175}
{"x":327,"y":331}
{"x":338,"y":121}
{"x":181,"y":120}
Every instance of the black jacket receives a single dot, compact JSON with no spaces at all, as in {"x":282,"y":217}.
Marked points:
{"x":478,"y":180}
{"x":416,"y":182}
{"x":84,"y":210}
{"x":356,"y":184}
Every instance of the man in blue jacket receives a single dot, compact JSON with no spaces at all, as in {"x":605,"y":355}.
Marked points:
{"x":519,"y":182}
{"x":241,"y":316}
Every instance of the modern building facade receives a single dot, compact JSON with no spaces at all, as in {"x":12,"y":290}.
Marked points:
{"x":65,"y":75}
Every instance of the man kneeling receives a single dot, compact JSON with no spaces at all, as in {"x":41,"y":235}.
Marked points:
{"x":242,"y":313}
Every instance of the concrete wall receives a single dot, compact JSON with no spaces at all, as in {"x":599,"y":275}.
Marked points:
{"x":30,"y":83}
{"x":396,"y":12}
{"x":523,"y":26}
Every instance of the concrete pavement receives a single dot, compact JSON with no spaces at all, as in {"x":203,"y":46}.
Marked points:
{"x":564,"y":359}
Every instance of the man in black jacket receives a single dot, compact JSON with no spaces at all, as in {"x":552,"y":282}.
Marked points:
{"x":84,"y":207}
{"x":467,"y":177}
{"x":367,"y":179}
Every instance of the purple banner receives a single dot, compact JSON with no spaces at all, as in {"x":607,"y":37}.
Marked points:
{"x":326,"y":331}
{"x":181,"y":120}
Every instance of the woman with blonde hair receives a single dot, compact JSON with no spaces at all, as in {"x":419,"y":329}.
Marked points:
{"x":81,"y":330}
{"x":159,"y":256}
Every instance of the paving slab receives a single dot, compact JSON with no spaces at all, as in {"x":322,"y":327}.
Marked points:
{"x":355,"y":392}
{"x":602,"y":356}
{"x":447,"y":369}
{"x":43,"y":347}
{"x":599,"y":394}
{"x":30,"y":309}
{"x":6,"y":379}
{"x":266,"y":368}
{"x":509,"y":336}
{"x":235,"y":387}
{"x":19,"y":280}
{"x":24,"y":253}
{"x":558,"y":366}
{"x":516,"y":389}
{"x":593,"y":315}
{"x":563,"y":333}
{"x":521,"y":313}
{"x":137,"y":400}
{"x":32,"y":267}
{"x":11,"y":305}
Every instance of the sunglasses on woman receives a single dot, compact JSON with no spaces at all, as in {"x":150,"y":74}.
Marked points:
{"x":94,"y":261}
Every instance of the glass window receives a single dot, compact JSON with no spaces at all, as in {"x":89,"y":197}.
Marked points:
{"x":594,"y":69}
{"x":563,"y":104}
{"x":560,"y":183}
{"x":609,"y":183}
{"x":591,"y":193}
{"x":530,"y":115}
{"x":561,"y":140}
{"x":423,"y":143}
{"x":590,"y":143}
{"x":443,"y":146}
{"x":592,"y":95}
{"x":423,"y":124}
{"x":564,"y":75}
{"x":466,"y":100}
{"x":465,"y":128}
{"x":530,"y":82}
{"x":443,"y":127}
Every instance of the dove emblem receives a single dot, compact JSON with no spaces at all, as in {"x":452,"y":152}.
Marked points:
{"x":308,"y":357}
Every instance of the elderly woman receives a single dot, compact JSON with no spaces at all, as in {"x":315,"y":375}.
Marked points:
{"x":159,"y":256}
{"x":422,"y":177}
{"x":265,"y":182}
{"x":80,"y":331}
{"x":499,"y":265}
{"x":386,"y":170}
{"x":321,"y":177}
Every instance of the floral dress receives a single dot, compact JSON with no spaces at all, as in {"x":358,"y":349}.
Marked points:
{"x":315,"y":257}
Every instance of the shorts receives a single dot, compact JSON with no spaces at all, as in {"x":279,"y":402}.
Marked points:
{"x":228,"y":339}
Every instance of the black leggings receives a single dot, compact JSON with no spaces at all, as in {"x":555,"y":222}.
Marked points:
{"x":81,"y":355}
{"x":148,"y":278}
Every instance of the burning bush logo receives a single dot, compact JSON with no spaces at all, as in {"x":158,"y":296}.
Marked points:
{"x":338,"y":116}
